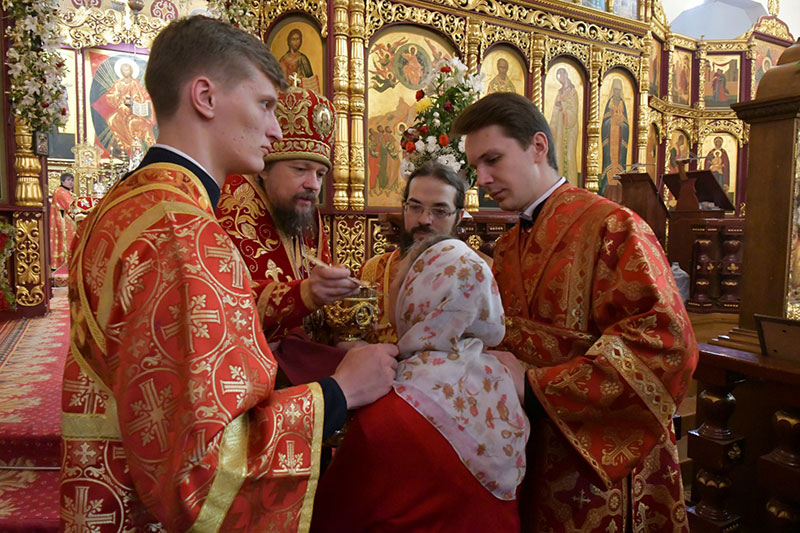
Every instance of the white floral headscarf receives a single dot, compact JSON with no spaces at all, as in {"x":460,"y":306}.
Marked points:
{"x":448,"y":311}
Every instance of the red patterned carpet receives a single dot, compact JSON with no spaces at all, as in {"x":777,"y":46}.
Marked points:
{"x":32,"y":356}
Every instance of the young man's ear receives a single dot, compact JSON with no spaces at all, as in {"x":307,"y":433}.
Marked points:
{"x":539,"y":146}
{"x":202,"y":96}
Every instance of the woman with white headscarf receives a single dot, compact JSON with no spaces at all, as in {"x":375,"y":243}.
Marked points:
{"x":445,"y":450}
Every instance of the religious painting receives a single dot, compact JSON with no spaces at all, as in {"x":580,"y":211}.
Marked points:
{"x":121,"y":122}
{"x":596,"y":4}
{"x":616,"y":124}
{"x":721,"y":84}
{"x":718,"y":153}
{"x":627,"y":8}
{"x":296,"y":43}
{"x":678,"y":148}
{"x":503,"y":71}
{"x":766,"y":56}
{"x":681,"y":89}
{"x":564,"y":87}
{"x":398,"y":62}
{"x":651,"y":161}
{"x":63,"y":139}
{"x":655,"y":67}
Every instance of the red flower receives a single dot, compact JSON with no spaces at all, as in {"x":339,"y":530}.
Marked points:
{"x":444,"y":140}
{"x":448,"y":106}
{"x":410,"y":147}
{"x":420,"y":95}
{"x":45,"y":105}
{"x":63,"y":110}
{"x":423,"y":129}
{"x":446,"y":69}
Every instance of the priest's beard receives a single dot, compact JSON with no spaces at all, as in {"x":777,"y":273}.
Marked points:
{"x":406,"y":240}
{"x":294,"y":221}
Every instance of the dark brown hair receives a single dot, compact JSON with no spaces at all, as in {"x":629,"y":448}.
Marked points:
{"x":195,"y":45}
{"x":442,"y":173}
{"x":519,"y":118}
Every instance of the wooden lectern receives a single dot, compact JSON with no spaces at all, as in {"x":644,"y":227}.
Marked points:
{"x":690,"y":188}
{"x":640,"y":195}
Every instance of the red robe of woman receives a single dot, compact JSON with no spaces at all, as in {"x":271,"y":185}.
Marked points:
{"x":593,"y":312}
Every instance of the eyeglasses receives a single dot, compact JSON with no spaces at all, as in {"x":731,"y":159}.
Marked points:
{"x":418,"y":209}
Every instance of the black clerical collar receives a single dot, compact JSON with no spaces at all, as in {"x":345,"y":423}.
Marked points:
{"x":528,"y":217}
{"x":527,"y":221}
{"x":162,"y":154}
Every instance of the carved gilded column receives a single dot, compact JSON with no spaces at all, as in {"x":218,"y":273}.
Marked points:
{"x":341,"y":81}
{"x":474,"y":50}
{"x":644,"y":86}
{"x":537,"y":67}
{"x":27,"y":167}
{"x":702,"y":47}
{"x":474,"y":41}
{"x":610,"y":6}
{"x":357,"y":46}
{"x":29,"y":258}
{"x":670,"y":71}
{"x":593,"y":128}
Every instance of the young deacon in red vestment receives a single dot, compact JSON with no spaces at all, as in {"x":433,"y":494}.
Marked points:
{"x":595,"y":317}
{"x":170,"y":417}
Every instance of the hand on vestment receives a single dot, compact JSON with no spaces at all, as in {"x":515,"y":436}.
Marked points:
{"x":366,"y":373}
{"x":327,"y":285}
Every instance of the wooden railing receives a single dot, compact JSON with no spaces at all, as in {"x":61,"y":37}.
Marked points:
{"x":716,"y":265}
{"x":746,"y":449}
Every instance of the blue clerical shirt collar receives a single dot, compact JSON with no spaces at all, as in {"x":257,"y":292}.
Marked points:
{"x":162,"y":153}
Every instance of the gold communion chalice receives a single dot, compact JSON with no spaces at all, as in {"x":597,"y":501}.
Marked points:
{"x":353,"y":317}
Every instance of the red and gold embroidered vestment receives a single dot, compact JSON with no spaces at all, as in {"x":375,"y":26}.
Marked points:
{"x":593,"y":312}
{"x":170,"y":419}
{"x":378,"y":270}
{"x":244,"y":212}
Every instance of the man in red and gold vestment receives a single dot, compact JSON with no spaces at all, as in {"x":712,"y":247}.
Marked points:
{"x":170,"y":418}
{"x":62,"y":225}
{"x":273,"y":220}
{"x":433,"y":204}
{"x":595,"y":317}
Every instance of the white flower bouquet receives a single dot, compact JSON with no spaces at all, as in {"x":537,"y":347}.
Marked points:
{"x":447,"y":91}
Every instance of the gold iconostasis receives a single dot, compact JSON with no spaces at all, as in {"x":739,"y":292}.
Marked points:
{"x":617,"y":87}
